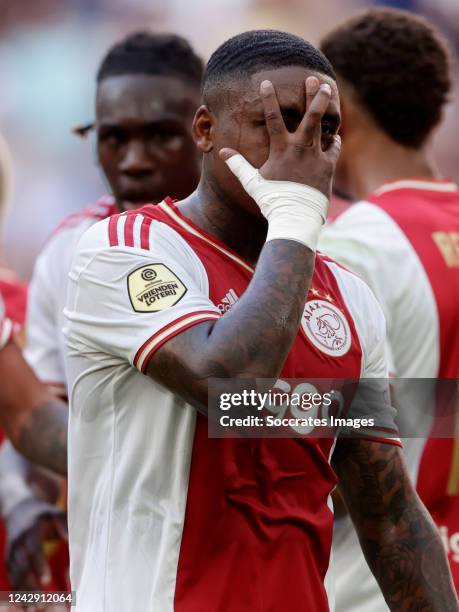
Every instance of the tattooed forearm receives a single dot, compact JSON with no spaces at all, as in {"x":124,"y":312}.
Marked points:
{"x":43,"y":436}
{"x":35,"y":422}
{"x":400,"y":542}
{"x":253,"y":338}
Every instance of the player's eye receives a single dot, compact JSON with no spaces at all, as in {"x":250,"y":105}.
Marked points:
{"x":112,"y":137}
{"x":163,"y":135}
{"x":328,"y":129}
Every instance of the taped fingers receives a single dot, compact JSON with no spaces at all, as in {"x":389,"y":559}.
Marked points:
{"x":244,"y":171}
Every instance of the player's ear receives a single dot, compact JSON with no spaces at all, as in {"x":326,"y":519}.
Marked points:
{"x":203,"y":129}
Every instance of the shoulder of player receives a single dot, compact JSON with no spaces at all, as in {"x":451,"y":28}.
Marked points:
{"x":76,"y":223}
{"x":361,"y":220}
{"x":356,"y":294}
{"x":347,"y":280}
{"x":66,"y":236}
{"x":365,"y":234}
{"x":140,"y":231}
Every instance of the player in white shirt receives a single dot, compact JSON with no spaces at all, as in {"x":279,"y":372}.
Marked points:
{"x":162,"y":516}
{"x":145,"y":151}
{"x":394,"y":76}
{"x":147,"y":92}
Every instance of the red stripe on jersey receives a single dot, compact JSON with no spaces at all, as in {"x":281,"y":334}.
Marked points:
{"x":112,"y":230}
{"x":129,"y":230}
{"x":145,"y":233}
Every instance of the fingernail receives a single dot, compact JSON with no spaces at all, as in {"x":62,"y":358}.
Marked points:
{"x":265,"y":85}
{"x":325,"y":87}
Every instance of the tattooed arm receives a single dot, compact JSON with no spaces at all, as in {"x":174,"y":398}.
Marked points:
{"x":34,"y":420}
{"x":251,"y":340}
{"x":400,"y":542}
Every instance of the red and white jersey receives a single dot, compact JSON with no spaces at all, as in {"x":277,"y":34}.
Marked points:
{"x":45,"y":346}
{"x":162,"y":516}
{"x":404,"y":242}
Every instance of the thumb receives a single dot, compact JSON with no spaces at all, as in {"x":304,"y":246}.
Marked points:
{"x":240,"y":167}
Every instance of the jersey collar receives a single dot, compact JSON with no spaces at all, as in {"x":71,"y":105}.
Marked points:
{"x":426,"y":185}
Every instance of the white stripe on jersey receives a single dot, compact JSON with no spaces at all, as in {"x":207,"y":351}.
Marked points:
{"x":120,"y":229}
{"x":139,"y":219}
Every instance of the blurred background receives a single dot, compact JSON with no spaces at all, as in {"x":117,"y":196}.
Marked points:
{"x":49,"y":54}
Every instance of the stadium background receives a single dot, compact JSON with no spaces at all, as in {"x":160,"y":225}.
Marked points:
{"x":49,"y":53}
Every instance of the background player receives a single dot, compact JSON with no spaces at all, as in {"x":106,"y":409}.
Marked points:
{"x":145,"y":479}
{"x":24,"y":402}
{"x":147,"y":93}
{"x":402,"y":238}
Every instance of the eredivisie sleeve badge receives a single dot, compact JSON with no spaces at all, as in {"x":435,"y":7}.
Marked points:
{"x":153,"y":288}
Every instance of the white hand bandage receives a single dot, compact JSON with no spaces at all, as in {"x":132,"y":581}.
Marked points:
{"x":293,"y":211}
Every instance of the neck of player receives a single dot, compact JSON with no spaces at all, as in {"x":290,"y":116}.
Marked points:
{"x":376,"y":160}
{"x":216,"y":215}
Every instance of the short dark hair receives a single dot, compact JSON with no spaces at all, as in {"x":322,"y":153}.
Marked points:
{"x":399,"y":68}
{"x":154,"y":54}
{"x":247,"y":53}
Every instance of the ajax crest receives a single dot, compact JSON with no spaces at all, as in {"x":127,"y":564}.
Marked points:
{"x":326,"y":327}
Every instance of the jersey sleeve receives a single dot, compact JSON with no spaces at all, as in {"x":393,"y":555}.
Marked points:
{"x":350,"y":240}
{"x":44,"y":341}
{"x":126,"y":302}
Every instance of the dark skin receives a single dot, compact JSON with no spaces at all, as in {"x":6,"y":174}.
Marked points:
{"x":145,"y":143}
{"x":26,"y":407}
{"x":146,"y":151}
{"x":398,"y":537}
{"x":253,"y":339}
{"x":301,"y":155}
{"x":237,"y":220}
